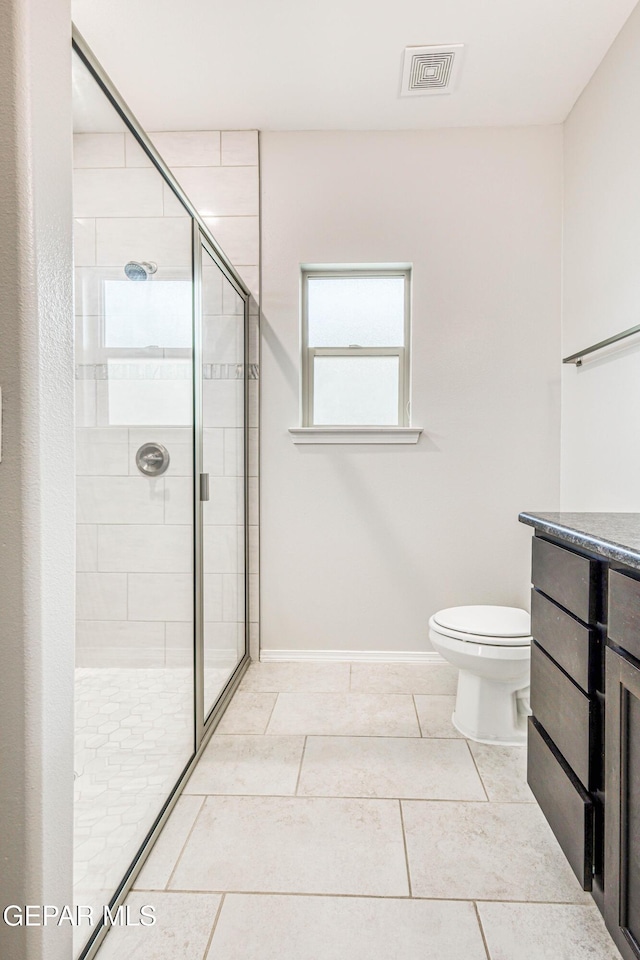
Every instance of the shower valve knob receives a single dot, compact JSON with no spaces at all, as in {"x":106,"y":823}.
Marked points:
{"x":152,"y":459}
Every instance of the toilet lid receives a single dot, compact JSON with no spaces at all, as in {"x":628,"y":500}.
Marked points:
{"x":486,"y":621}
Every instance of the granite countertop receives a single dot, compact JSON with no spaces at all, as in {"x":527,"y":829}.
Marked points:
{"x":615,"y":536}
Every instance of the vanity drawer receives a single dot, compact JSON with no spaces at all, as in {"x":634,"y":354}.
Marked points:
{"x":564,"y":802}
{"x":569,"y":642}
{"x":624,"y":612}
{"x":566,"y":713}
{"x":566,"y":577}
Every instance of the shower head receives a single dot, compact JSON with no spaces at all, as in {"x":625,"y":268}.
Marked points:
{"x":140,"y":271}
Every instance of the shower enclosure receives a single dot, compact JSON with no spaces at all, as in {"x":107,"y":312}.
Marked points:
{"x":162,"y":378}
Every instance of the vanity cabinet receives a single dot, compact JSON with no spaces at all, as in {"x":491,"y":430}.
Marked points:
{"x":622,"y":827}
{"x":565,"y":742}
{"x":583,"y":762}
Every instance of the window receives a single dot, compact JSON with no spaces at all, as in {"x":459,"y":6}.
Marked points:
{"x":355,"y":347}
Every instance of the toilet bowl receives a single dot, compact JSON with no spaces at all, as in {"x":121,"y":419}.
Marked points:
{"x":491,"y":647}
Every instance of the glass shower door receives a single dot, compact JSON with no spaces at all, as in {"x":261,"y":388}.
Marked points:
{"x":224,"y":619}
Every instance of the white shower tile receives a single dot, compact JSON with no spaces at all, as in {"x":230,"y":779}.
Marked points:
{"x":239,"y":237}
{"x":98,"y":150}
{"x":223,"y":339}
{"x":178,"y":506}
{"x":160,"y":596}
{"x":145,"y":548}
{"x":226,"y":501}
{"x":102,"y":459}
{"x":192,"y":148}
{"x":120,"y":500}
{"x":223,"y":403}
{"x":234,"y":453}
{"x":253,"y":452}
{"x":119,"y":642}
{"x":232,"y":597}
{"x":239,"y":148}
{"x":179,"y":639}
{"x":166,"y":241}
{"x":213,"y":597}
{"x":223,"y":549}
{"x":213,"y":451}
{"x":84,"y":242}
{"x":101,"y":596}
{"x":85,"y":403}
{"x":220,"y":191}
{"x":117,"y":193}
{"x":134,"y":154}
{"x":251,"y":276}
{"x":86,"y":547}
{"x":232,"y":303}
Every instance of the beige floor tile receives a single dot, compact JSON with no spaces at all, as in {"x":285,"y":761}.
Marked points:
{"x":389,"y":767}
{"x":492,"y":851}
{"x":247,"y":713}
{"x":162,"y":859}
{"x":344,"y":714}
{"x":345,"y":928}
{"x":295,"y":845}
{"x":434,"y":714}
{"x":435,"y":678}
{"x":183,"y":926}
{"x":255,"y":765}
{"x":503,"y":771}
{"x":540,"y":931}
{"x":297,"y":677}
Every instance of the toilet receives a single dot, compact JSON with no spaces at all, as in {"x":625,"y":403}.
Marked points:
{"x":491,"y":647}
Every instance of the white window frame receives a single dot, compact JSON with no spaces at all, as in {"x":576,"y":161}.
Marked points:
{"x":403,"y":353}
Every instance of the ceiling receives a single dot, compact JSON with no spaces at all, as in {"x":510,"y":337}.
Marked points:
{"x":336,"y":65}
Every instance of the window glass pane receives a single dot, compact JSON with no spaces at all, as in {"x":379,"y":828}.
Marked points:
{"x":154,"y":313}
{"x":359,"y":391}
{"x":355,"y":311}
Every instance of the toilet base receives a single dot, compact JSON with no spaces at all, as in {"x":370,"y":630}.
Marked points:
{"x":491,"y":712}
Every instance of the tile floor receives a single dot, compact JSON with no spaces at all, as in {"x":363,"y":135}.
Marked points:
{"x":133,"y":737}
{"x":335,"y":814}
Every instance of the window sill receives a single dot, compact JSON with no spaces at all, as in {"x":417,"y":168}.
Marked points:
{"x":355,"y":434}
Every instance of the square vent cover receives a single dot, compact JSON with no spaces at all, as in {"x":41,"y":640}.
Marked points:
{"x":431,"y":70}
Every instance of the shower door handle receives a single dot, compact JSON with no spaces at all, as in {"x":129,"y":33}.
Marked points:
{"x":204,"y":486}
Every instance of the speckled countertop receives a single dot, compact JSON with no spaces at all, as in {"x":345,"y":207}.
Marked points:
{"x":615,"y":536}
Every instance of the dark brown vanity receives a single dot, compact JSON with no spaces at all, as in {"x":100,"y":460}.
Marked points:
{"x":584,"y":734}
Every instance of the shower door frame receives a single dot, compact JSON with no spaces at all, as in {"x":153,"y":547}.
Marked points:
{"x":201,"y":239}
{"x":205,"y":723}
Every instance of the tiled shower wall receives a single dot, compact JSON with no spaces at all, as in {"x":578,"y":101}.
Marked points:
{"x":134,"y":547}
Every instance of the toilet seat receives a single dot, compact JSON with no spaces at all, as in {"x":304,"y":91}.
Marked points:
{"x":484,"y":624}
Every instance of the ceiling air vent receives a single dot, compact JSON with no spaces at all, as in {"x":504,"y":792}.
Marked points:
{"x":431,"y":70}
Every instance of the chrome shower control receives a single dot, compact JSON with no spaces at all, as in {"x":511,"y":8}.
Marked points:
{"x":152,"y":459}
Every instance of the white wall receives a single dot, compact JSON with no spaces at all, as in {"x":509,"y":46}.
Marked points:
{"x":601,"y":400}
{"x":36,"y":472}
{"x":361,"y":544}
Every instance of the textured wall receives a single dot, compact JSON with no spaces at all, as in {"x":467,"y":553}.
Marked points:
{"x":36,"y":472}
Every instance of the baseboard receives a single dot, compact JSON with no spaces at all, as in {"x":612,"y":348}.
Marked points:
{"x":356,"y":656}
